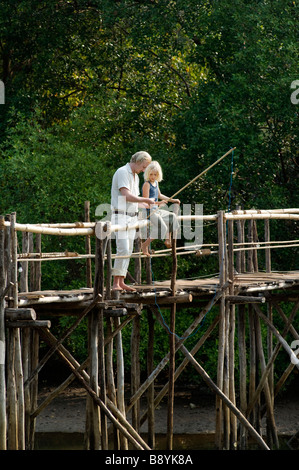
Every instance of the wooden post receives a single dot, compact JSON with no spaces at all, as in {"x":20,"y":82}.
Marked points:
{"x":172,"y":346}
{"x":135,"y":345}
{"x":38,"y":264}
{"x":26,"y":346}
{"x":269,"y":310}
{"x":120,"y":380}
{"x":111,"y":391}
{"x":19,"y":378}
{"x":88,"y":246}
{"x":231,"y":335}
{"x":100,"y":250}
{"x":98,"y":434}
{"x":240,"y":267}
{"x":253,"y":364}
{"x":240,"y":258}
{"x":24,"y":264}
{"x":31,"y":279}
{"x":267,"y":250}
{"x":271,"y":426}
{"x":12,"y":434}
{"x":243,"y":371}
{"x":34,"y":359}
{"x":151,"y":388}
{"x":255,"y":240}
{"x":3,"y":422}
{"x":222,"y":329}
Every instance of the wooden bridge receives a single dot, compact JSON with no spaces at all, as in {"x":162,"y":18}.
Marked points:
{"x":240,"y":291}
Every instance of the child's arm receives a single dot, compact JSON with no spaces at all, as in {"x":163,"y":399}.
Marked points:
{"x":146,"y":189}
{"x":167,"y":199}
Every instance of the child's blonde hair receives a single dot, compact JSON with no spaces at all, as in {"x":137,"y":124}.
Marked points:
{"x":153,"y":166}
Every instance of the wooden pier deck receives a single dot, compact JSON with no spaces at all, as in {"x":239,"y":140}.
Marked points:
{"x":187,"y":291}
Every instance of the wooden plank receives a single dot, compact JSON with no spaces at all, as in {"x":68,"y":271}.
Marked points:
{"x":14,"y":314}
{"x":29,"y":324}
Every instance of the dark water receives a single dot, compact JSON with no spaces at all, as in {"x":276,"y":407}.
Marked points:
{"x":75,"y":441}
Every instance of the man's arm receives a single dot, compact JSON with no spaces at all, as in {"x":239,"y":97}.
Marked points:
{"x":131,"y":198}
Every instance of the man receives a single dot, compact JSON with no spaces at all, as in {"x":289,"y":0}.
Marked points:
{"x":124,"y":204}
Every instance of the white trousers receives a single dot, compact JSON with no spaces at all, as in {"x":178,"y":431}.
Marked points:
{"x":162,"y":222}
{"x":124,"y":244}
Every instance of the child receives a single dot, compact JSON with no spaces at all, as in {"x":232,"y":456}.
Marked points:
{"x":164,"y":220}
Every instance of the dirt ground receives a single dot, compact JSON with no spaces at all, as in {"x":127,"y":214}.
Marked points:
{"x":194,"y":412}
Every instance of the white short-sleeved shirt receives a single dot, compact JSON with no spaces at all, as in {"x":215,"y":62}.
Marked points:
{"x":124,"y":178}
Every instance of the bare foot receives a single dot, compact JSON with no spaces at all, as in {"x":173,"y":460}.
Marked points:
{"x":117,"y":288}
{"x":144,"y":249}
{"x":127,"y":288}
{"x":168,"y":243}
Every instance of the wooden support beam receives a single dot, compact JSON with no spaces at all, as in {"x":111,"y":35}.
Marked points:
{"x":165,"y":360}
{"x":245,"y":299}
{"x":110,"y":410}
{"x":172,"y":349}
{"x":29,"y":324}
{"x":60,"y":341}
{"x":255,"y":435}
{"x":15,"y":314}
{"x":3,"y":269}
{"x":116,"y":312}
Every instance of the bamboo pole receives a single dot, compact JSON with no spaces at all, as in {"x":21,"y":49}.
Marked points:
{"x":143,"y":223}
{"x":123,"y":425}
{"x":172,"y":348}
{"x":111,"y":390}
{"x":256,"y":436}
{"x":269,"y":401}
{"x":151,"y":388}
{"x":62,"y":338}
{"x":183,"y":364}
{"x":203,"y":173}
{"x":222,"y":329}
{"x":93,"y":419}
{"x":110,"y":410}
{"x":258,"y":216}
{"x":3,"y":421}
{"x":24,"y":264}
{"x":231,"y":334}
{"x":135,"y":346}
{"x":95,"y":440}
{"x":88,"y":246}
{"x":34,"y":357}
{"x":243,"y":371}
{"x":99,"y":290}
{"x":16,"y":344}
{"x":120,"y":381}
{"x":275,"y":351}
{"x":12,"y":429}
{"x":12,"y":442}
{"x":26,"y":340}
{"x":240,"y":416}
{"x":165,"y":360}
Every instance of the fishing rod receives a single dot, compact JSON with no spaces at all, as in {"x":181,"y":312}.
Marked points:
{"x":203,"y":172}
{"x":198,"y":176}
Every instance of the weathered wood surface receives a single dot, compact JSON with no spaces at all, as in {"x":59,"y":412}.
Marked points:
{"x":187,"y":290}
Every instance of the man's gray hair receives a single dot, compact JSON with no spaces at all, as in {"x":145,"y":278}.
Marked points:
{"x":139,"y":157}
